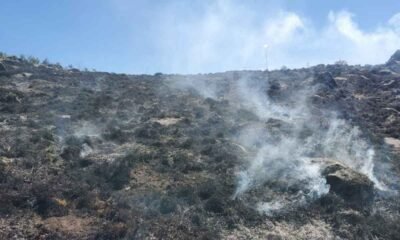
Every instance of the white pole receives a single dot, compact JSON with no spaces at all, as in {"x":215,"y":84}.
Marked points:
{"x":266,"y":56}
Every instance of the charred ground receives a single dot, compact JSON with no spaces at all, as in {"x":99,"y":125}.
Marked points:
{"x":93,"y":155}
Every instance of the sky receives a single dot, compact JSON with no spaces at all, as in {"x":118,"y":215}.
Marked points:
{"x":200,"y":36}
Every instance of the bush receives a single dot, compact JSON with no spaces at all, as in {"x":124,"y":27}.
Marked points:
{"x":58,"y":65}
{"x":46,"y":61}
{"x":3,"y":173}
{"x":33,"y":60}
{"x":206,"y":190}
{"x":167,"y":205}
{"x":116,"y":134}
{"x":120,"y":177}
{"x":72,"y":149}
{"x":46,"y":205}
{"x":22,"y":57}
{"x":112,"y":231}
{"x":117,"y":173}
{"x":215,"y":205}
{"x":187,"y":194}
{"x":341,"y":63}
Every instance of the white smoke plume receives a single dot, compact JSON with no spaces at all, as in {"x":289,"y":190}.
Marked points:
{"x":285,"y":141}
{"x":223,"y":35}
{"x":289,"y":158}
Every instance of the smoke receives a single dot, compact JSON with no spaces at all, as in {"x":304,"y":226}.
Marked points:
{"x":270,"y":207}
{"x":281,"y":154}
{"x":87,"y":129}
{"x":215,"y":36}
{"x":291,"y":160}
{"x":295,"y":136}
{"x":291,"y":138}
{"x":289,"y":141}
{"x":207,"y":89}
{"x":86,"y":150}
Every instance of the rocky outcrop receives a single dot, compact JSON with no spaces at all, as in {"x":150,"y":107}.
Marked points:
{"x":395,"y":58}
{"x":354,"y":187}
{"x":325,"y":80}
{"x":394,"y":62}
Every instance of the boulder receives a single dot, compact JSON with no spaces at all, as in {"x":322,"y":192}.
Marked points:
{"x":354,"y":187}
{"x":325,"y":80}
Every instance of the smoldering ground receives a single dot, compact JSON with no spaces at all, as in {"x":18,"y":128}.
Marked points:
{"x":198,"y":156}
{"x":287,"y":138}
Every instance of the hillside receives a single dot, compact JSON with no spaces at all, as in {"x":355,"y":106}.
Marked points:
{"x":308,"y":153}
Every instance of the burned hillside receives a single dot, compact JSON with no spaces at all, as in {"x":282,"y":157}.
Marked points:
{"x":308,"y":153}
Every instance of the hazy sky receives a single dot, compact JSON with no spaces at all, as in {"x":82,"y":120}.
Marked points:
{"x":177,"y":36}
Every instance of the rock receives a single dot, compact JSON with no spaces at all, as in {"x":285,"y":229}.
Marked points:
{"x":325,"y":80}
{"x":394,"y":62}
{"x":352,"y":186}
{"x":393,"y":142}
{"x":274,"y":90}
{"x":385,"y":71}
{"x":394,"y":59}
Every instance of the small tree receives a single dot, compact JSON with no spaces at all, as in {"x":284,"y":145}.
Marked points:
{"x":33,"y":60}
{"x":341,"y":62}
{"x":46,"y":61}
{"x":22,"y":57}
{"x":58,"y":65}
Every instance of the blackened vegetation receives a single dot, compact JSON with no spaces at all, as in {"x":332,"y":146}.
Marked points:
{"x":128,"y":157}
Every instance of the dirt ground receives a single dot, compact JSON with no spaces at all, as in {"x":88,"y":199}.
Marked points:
{"x":94,"y":155}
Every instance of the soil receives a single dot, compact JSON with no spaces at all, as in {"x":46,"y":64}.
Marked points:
{"x":95,"y":155}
